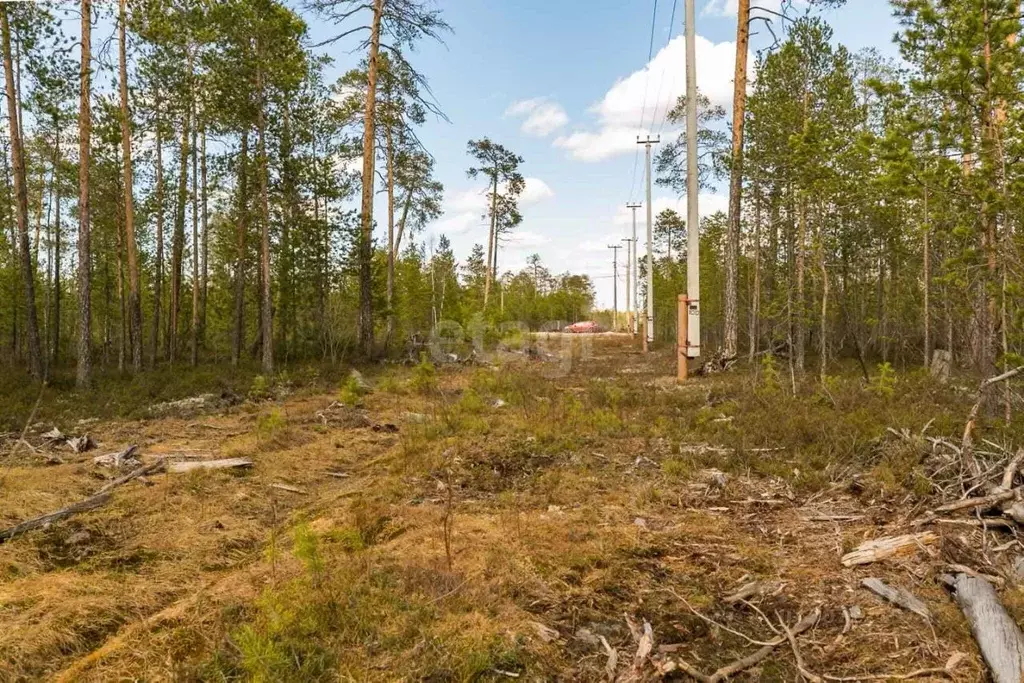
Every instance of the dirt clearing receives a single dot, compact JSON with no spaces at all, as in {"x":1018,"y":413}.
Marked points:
{"x":539,"y":518}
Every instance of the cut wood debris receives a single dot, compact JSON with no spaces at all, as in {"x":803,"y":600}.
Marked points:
{"x":101,"y":497}
{"x":669,"y":665}
{"x":884,"y":548}
{"x":754,"y":589}
{"x":897,"y":596}
{"x":998,"y":636}
{"x":122,"y":458}
{"x":288,"y":488}
{"x":223,"y":464}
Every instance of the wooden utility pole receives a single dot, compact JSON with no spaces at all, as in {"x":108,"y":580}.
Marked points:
{"x":692,"y":214}
{"x":636,"y":288}
{"x":615,"y":284}
{"x":649,"y":325}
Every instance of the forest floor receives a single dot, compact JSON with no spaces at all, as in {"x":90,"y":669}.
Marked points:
{"x":520,"y":518}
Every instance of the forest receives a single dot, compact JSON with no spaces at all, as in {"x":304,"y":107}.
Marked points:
{"x":190,"y":197}
{"x":871,"y":202}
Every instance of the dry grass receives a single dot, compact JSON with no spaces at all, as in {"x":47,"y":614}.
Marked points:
{"x":576,"y":498}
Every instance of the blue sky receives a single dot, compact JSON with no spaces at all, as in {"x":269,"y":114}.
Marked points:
{"x":563,"y":84}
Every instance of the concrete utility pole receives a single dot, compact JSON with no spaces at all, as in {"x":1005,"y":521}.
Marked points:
{"x":692,"y":214}
{"x":615,"y":283}
{"x":629,"y":270}
{"x":649,"y":327}
{"x":634,"y":306}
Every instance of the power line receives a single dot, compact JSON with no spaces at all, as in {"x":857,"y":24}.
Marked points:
{"x":661,"y":82}
{"x":647,"y":83}
{"x":650,"y":50}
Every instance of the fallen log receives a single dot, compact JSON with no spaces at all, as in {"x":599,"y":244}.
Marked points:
{"x":151,"y":468}
{"x":898,"y":597}
{"x":998,"y":636}
{"x":226,"y":463}
{"x":882,"y":548}
{"x":101,"y":497}
{"x":90,"y":503}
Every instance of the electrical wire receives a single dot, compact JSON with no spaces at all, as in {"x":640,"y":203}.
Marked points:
{"x":643,"y":108}
{"x":661,"y":82}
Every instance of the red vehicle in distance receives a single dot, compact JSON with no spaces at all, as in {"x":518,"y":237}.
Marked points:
{"x":583,"y":327}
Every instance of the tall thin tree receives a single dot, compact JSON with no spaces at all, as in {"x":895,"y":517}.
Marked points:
{"x":132,"y":250}
{"x":84,"y":374}
{"x":35,"y":357}
{"x":732,"y":242}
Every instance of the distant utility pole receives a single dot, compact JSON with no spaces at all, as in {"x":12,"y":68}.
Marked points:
{"x":629,"y":269}
{"x":636,"y":289}
{"x":692,"y":215}
{"x":615,"y":283}
{"x":649,"y":327}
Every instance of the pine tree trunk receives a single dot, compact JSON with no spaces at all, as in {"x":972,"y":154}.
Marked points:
{"x":55,"y":326}
{"x":492,"y":238}
{"x":241,"y":230}
{"x":195,"y":244}
{"x":122,"y":346}
{"x":291,"y":211}
{"x":178,"y":245}
{"x":266,"y":311}
{"x":158,"y":279}
{"x":800,"y":326}
{"x":755,"y":296}
{"x":47,"y":334}
{"x":107,"y":298}
{"x":134,"y":283}
{"x":39,"y":217}
{"x":206,"y":241}
{"x":391,"y":235}
{"x":927,"y":313}
{"x":822,"y":267}
{"x":732,"y":242}
{"x":366,"y":209}
{"x":35,"y":359}
{"x":15,"y":258}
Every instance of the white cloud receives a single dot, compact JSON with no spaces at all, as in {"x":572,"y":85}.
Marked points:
{"x":536,"y":190}
{"x":467,"y":200}
{"x":601,"y":144}
{"x":457,"y":223}
{"x":707,"y":204}
{"x":541,"y":117}
{"x":467,"y":209}
{"x":729,"y":8}
{"x":649,"y":94}
{"x":600,"y":245}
